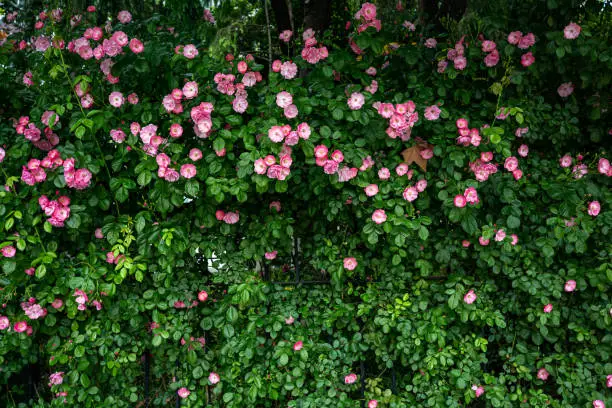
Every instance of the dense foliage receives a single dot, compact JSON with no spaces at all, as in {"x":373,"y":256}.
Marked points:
{"x":414,"y":216}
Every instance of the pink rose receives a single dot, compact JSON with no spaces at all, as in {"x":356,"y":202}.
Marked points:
{"x":570,"y":285}
{"x":371,"y":190}
{"x":298,"y":345}
{"x":594,"y":208}
{"x":459,"y":201}
{"x":548,"y":308}
{"x":571,"y":31}
{"x":379,"y":216}
{"x":543,"y":374}
{"x":214,"y":378}
{"x":350,"y":264}
{"x":183,"y":392}
{"x":470,"y":297}
{"x":410,"y":194}
{"x":350,"y":379}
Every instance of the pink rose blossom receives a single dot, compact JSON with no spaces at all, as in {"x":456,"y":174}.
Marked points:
{"x":565,"y":161}
{"x":350,"y":379}
{"x":431,"y":43}
{"x":432,"y":112}
{"x":548,"y":308}
{"x":190,"y":51}
{"x":271,"y":255}
{"x":379,"y":216}
{"x":478,"y":390}
{"x":410,"y":194}
{"x":543,"y":374}
{"x":511,"y":163}
{"x":514,"y":37}
{"x":371,"y":190}
{"x":527,"y":59}
{"x":4,"y":323}
{"x":288,"y":70}
{"x":291,"y":111}
{"x":384,"y":173}
{"x":470,"y":297}
{"x":350,"y":263}
{"x":565,"y":89}
{"x":570,"y":285}
{"x":571,"y":31}
{"x":124,"y":17}
{"x":285,"y":36}
{"x":459,"y":201}
{"x":116,"y":99}
{"x":8,"y":251}
{"x":214,"y":378}
{"x":284,"y":99}
{"x":297,"y":346}
{"x":56,"y":378}
{"x":356,"y":101}
{"x":188,"y":171}
{"x":594,"y":208}
{"x":401,"y":169}
{"x":183,"y":392}
{"x":526,"y":41}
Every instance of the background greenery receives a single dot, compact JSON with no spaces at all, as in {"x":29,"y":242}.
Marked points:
{"x":401,"y":311}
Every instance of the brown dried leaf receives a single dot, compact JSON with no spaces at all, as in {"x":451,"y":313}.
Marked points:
{"x":413,"y":155}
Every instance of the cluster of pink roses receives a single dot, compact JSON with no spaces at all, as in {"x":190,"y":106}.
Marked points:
{"x":287,"y":69}
{"x":523,"y":42}
{"x":18,"y":327}
{"x":31,"y":132}
{"x":268,"y":165}
{"x":470,"y":195}
{"x":512,"y":164}
{"x":311,"y":53}
{"x":76,"y":178}
{"x":58,"y":210}
{"x":402,"y":117}
{"x":492,"y":57}
{"x":331,"y":163}
{"x":284,"y":100}
{"x":467,"y":136}
{"x":367,"y":17}
{"x":455,"y":54}
{"x":411,"y":193}
{"x":230,"y":217}
{"x":202,"y":121}
{"x":81,"y":298}
{"x":35,"y":173}
{"x":172,"y":101}
{"x":32,"y":309}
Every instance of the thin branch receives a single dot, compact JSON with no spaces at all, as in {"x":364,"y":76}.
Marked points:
{"x":269,"y":36}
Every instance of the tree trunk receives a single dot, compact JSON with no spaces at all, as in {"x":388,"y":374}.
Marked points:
{"x":317,"y":15}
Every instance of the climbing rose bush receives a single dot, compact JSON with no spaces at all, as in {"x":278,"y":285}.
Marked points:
{"x":412,"y":220}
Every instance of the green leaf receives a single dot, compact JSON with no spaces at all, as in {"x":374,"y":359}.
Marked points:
{"x":283,"y":360}
{"x":423,"y":233}
{"x":41,"y":271}
{"x":337,"y":114}
{"x":197,"y":372}
{"x":192,"y":188}
{"x":513,"y":222}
